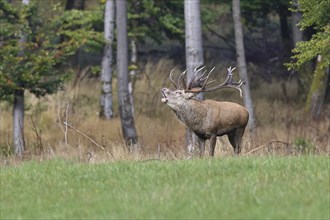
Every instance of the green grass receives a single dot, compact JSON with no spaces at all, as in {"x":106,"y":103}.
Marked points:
{"x":234,"y":187}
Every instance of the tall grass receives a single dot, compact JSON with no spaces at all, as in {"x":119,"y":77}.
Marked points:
{"x":280,"y":118}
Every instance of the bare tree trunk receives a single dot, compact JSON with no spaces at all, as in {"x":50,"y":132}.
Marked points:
{"x":106,"y":77}
{"x":317,"y":92}
{"x":286,"y":41}
{"x":132,"y":73}
{"x":125,"y":109}
{"x":296,"y":17}
{"x":298,"y":36}
{"x":18,"y":107}
{"x":194,"y":53}
{"x":18,"y":122}
{"x":242,"y":63}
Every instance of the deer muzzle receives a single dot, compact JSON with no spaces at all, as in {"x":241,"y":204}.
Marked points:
{"x":164,"y":91}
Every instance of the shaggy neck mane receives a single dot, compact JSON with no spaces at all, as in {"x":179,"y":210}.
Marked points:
{"x":191,"y":113}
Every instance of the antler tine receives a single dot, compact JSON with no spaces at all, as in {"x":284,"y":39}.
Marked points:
{"x":196,"y":70}
{"x":181,"y":79}
{"x":228,"y":83}
{"x":200,"y":82}
{"x":172,"y":80}
{"x":200,"y":68}
{"x":207,"y":78}
{"x":197,"y":81}
{"x":236,"y":85}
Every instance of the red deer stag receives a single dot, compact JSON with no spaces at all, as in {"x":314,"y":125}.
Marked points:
{"x":208,"y":118}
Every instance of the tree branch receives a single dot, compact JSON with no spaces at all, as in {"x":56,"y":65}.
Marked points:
{"x":90,"y":139}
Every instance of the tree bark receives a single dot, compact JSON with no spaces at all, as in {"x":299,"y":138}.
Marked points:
{"x":317,"y":92}
{"x":18,"y":107}
{"x":125,"y":109}
{"x":297,"y":34}
{"x":194,"y":53}
{"x":106,"y":76}
{"x":286,"y":41}
{"x":242,"y":63}
{"x":18,"y":122}
{"x":132,"y":73}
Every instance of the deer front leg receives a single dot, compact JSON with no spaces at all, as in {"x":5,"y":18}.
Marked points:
{"x":212,"y":144}
{"x":201,"y":146}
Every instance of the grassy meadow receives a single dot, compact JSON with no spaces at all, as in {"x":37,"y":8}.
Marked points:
{"x":229,"y":188}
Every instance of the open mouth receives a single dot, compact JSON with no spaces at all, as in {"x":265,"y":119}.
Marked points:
{"x":164,"y":99}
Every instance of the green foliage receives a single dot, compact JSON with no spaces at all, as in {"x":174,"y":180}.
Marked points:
{"x":315,"y":14}
{"x":35,"y":49}
{"x":304,"y":146}
{"x":308,"y":50}
{"x":96,"y":69}
{"x":84,"y":27}
{"x":7,"y":12}
{"x":225,"y":188}
{"x":156,"y":19}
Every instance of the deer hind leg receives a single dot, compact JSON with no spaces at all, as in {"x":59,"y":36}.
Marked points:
{"x":212,"y":144}
{"x":235,"y":139}
{"x":201,"y":142}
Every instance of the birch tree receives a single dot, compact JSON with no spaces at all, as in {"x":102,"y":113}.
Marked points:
{"x":132,"y":73}
{"x":194,"y":52}
{"x":106,"y":76}
{"x":18,"y":107}
{"x":240,"y":53}
{"x":297,"y":34}
{"x":125,"y":109}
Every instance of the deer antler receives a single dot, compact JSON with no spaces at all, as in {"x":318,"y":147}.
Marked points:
{"x":196,"y":82}
{"x":228,"y":83}
{"x":180,"y":79}
{"x":172,"y":80}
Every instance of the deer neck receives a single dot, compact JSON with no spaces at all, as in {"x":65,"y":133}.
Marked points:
{"x":192,"y":113}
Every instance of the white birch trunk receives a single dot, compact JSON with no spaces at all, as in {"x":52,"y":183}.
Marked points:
{"x":18,"y":107}
{"x":194,"y":53}
{"x":296,"y":17}
{"x":132,"y":73}
{"x":18,"y":122}
{"x":242,"y":63}
{"x":106,"y":76}
{"x":125,"y":109}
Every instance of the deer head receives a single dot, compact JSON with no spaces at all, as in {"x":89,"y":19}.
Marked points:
{"x":196,"y":85}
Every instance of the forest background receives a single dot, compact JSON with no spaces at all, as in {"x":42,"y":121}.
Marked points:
{"x":62,"y":101}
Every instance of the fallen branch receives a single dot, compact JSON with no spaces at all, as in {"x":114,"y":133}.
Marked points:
{"x":265,"y":145}
{"x":90,"y":139}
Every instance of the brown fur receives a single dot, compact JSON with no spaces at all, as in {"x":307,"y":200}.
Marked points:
{"x":208,"y":119}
